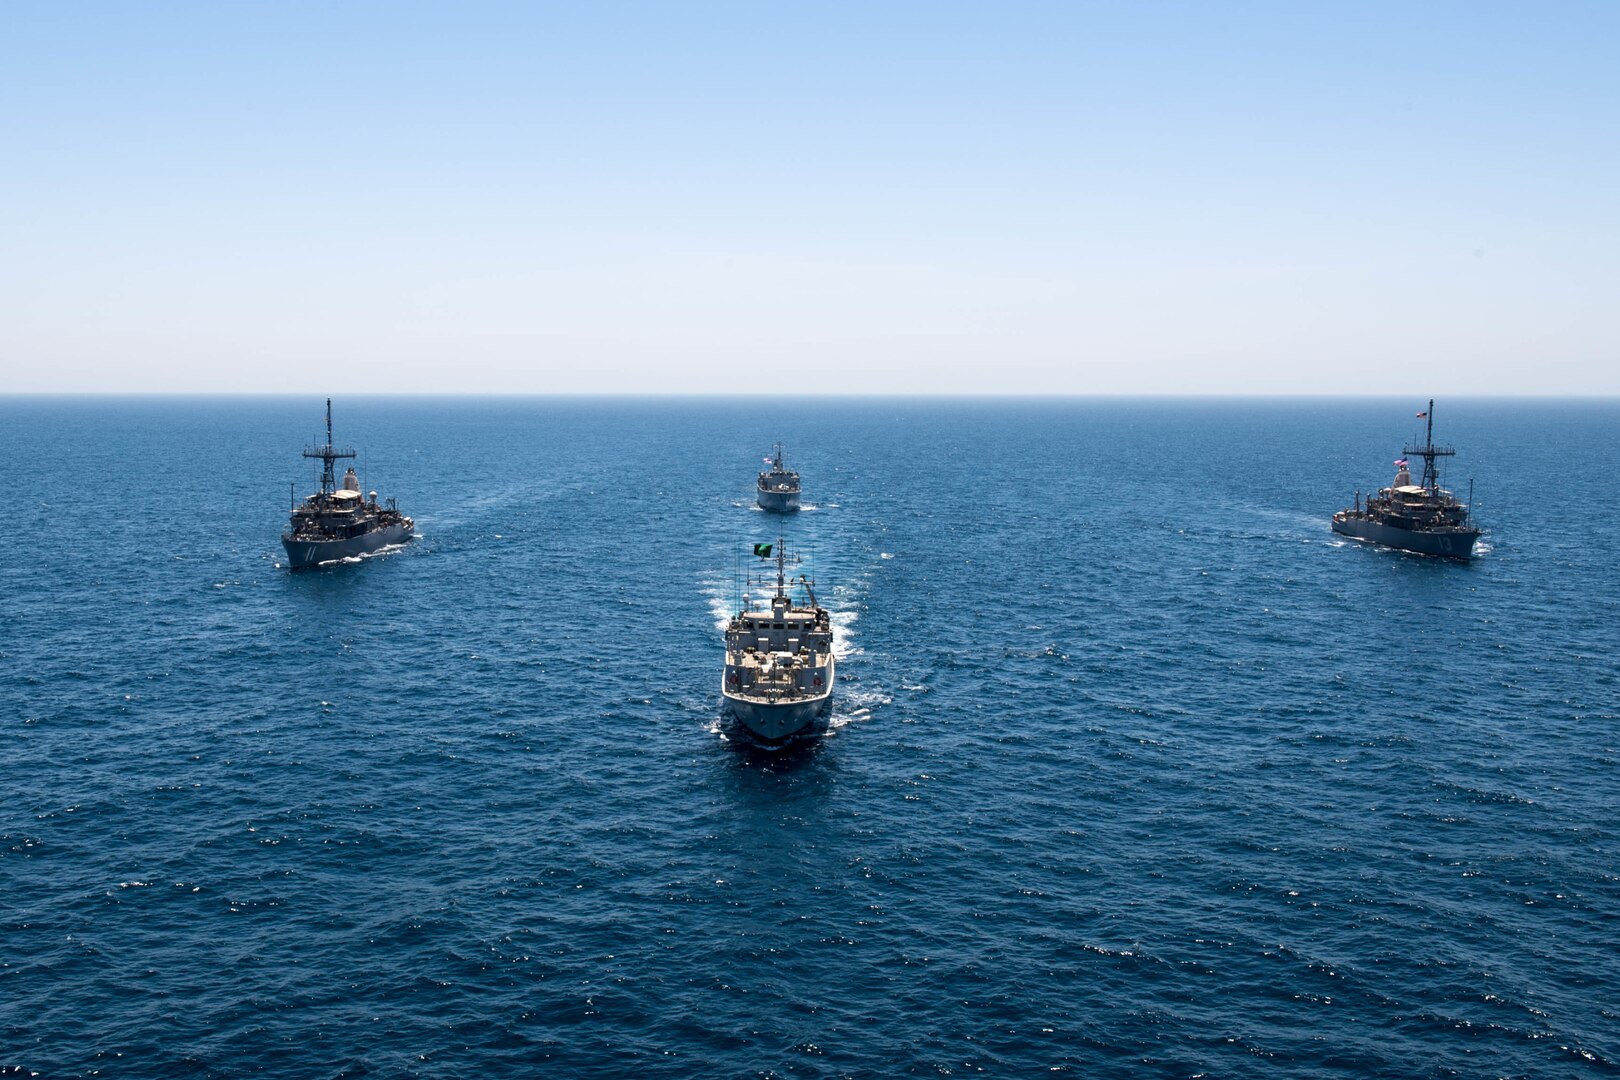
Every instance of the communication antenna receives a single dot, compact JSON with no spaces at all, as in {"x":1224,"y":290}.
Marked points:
{"x":328,"y":454}
{"x":1428,"y":451}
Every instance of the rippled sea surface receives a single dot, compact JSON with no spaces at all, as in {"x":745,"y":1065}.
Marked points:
{"x":1134,"y":767}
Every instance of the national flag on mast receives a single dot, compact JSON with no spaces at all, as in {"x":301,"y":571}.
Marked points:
{"x":763,"y":550}
{"x":1422,"y":414}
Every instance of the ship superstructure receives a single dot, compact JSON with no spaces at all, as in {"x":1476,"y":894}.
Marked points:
{"x":338,"y":521}
{"x":778,"y":485}
{"x":779,"y":667}
{"x":1421,"y":517}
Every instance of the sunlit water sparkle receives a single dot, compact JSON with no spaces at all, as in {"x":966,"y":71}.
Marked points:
{"x":1133,"y":766}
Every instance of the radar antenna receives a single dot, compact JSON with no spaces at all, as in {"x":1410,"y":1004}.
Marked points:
{"x":328,"y":454}
{"x":1428,"y":452}
{"x":779,"y":554}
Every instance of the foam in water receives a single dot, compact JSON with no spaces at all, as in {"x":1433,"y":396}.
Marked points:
{"x":1400,"y":767}
{"x":843,"y":626}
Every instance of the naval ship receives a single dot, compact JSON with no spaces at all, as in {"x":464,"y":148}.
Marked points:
{"x":778,"y":485}
{"x":1421,"y":517}
{"x":338,"y":522}
{"x":779,"y":659}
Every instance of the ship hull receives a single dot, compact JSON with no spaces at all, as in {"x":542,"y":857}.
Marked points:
{"x":1447,"y":544}
{"x":780,"y":722}
{"x":306,"y":553}
{"x":778,"y":502}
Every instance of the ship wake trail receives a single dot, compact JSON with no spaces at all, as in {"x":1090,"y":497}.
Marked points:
{"x":719,"y":595}
{"x":843,"y":623}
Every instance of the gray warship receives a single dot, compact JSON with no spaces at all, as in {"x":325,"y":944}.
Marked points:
{"x":779,"y":668}
{"x":338,"y":522}
{"x":778,"y":486}
{"x":1421,"y":517}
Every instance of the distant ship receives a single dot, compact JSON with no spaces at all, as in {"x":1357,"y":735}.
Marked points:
{"x":779,"y":659}
{"x":1421,"y":517}
{"x":338,"y":522}
{"x":778,"y":485}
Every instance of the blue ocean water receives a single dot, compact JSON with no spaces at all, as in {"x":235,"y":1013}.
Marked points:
{"x":1134,"y":767}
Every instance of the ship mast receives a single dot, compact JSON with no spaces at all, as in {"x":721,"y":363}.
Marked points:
{"x":1428,"y":452}
{"x":779,"y":551}
{"x":328,"y":454}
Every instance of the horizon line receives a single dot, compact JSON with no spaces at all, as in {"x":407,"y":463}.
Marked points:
{"x":872,"y":396}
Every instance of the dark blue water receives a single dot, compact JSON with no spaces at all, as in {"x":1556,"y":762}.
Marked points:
{"x":1134,"y":767}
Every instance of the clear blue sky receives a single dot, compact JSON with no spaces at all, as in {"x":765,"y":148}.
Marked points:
{"x":1301,"y":197}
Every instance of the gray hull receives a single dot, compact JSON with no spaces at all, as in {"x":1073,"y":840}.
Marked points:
{"x":1448,"y":543}
{"x":780,"y":722}
{"x":778,"y":502}
{"x":306,"y":553}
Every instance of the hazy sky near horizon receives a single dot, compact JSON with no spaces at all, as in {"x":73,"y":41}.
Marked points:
{"x":868,"y":198}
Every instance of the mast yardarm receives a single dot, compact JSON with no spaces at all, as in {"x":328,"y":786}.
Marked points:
{"x":328,"y":454}
{"x":1428,"y":452}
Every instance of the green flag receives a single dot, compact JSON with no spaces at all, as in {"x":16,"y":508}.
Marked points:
{"x":763,"y":550}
